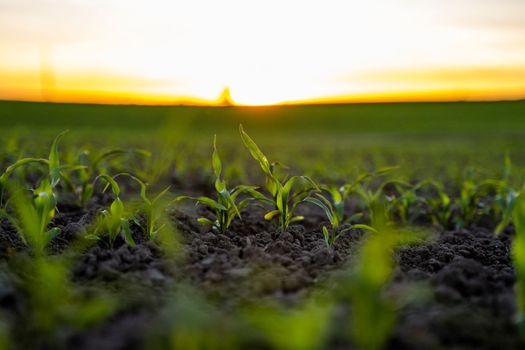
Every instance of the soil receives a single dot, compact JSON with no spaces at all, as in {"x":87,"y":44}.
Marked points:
{"x":469,"y":275}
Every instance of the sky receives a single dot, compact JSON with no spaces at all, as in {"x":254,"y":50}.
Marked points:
{"x":264,"y":52}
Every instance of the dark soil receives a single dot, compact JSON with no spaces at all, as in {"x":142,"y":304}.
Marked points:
{"x":469,"y":273}
{"x":471,"y":276}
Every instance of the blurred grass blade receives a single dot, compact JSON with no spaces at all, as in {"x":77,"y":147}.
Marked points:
{"x":54,"y":161}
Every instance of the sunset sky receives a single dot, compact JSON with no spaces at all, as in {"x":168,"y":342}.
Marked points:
{"x":272,"y":51}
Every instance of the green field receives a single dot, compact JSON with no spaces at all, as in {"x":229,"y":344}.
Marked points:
{"x":420,"y":137}
{"x":500,"y":119}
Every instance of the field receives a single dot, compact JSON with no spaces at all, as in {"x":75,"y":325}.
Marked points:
{"x":364,"y":226}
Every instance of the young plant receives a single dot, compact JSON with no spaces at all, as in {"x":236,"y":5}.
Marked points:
{"x":10,"y":169}
{"x":409,"y":203}
{"x":373,"y":314}
{"x":374,"y":311}
{"x":33,"y":217}
{"x":504,"y":205}
{"x":53,"y":164}
{"x":373,"y":198}
{"x":190,"y":321}
{"x":469,"y":203}
{"x":53,"y":303}
{"x":226,"y":206}
{"x":518,"y":257}
{"x":361,"y":187}
{"x":334,"y":213}
{"x":307,"y":325}
{"x":506,"y":197}
{"x":152,"y":208}
{"x":114,"y":220}
{"x":89,"y":168}
{"x":286,"y":194}
{"x":338,"y":196}
{"x":440,"y":203}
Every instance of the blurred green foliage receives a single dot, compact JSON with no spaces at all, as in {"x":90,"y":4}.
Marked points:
{"x":53,"y":302}
{"x":518,"y":255}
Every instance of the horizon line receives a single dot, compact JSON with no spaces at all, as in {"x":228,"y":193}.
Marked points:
{"x":320,"y":102}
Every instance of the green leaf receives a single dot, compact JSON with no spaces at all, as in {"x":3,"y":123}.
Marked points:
{"x":255,"y":152}
{"x":385,"y":170}
{"x":143,"y":188}
{"x":44,"y":196}
{"x":327,"y":210}
{"x":205,"y":201}
{"x":127,"y":232}
{"x":445,"y":199}
{"x":216,"y":160}
{"x":325,"y":201}
{"x":220,"y":186}
{"x":72,"y":168}
{"x":114,"y":185}
{"x":280,"y":201}
{"x":362,"y":177}
{"x":21,"y":162}
{"x":237,"y":190}
{"x":270,"y":215}
{"x":340,"y":233}
{"x":364,"y":227}
{"x":296,"y":219}
{"x":92,"y":237}
{"x":354,"y":217}
{"x":87,"y":192}
{"x":205,"y":221}
{"x":326,"y":234}
{"x":106,"y":155}
{"x":244,"y":203}
{"x":52,"y":233}
{"x":116,"y":208}
{"x":273,"y":165}
{"x":28,"y":221}
{"x":232,"y":203}
{"x":259,"y":196}
{"x":161,"y":194}
{"x":288,"y":185}
{"x":311,"y":182}
{"x":337,"y":197}
{"x":118,"y":152}
{"x":54,"y":161}
{"x":227,"y":200}
{"x":272,"y":185}
{"x":518,"y":214}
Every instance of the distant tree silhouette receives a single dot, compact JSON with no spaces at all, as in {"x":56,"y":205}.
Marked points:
{"x":225,"y":98}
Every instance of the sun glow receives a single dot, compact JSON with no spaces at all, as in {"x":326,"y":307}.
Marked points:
{"x":266,"y":52}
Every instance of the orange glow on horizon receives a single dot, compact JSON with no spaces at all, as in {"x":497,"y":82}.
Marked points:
{"x":131,"y":98}
{"x":432,"y":85}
